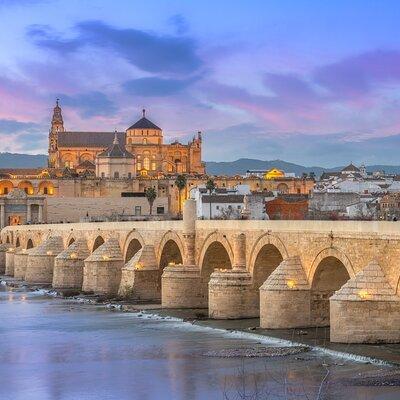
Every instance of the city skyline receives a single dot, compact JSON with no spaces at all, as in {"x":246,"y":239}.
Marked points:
{"x":311,"y":84}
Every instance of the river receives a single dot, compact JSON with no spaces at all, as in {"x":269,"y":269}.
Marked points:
{"x":58,"y":349}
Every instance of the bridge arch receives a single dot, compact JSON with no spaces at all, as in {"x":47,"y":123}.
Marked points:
{"x":71,"y":238}
{"x":175,"y":243}
{"x":216,"y":253}
{"x":133,"y":243}
{"x":267,"y":253}
{"x":170,"y":253}
{"x":330,"y":270}
{"x":29,"y":243}
{"x":97,"y":243}
{"x":331,"y":252}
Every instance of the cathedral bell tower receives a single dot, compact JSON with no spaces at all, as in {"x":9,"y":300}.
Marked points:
{"x":57,"y":125}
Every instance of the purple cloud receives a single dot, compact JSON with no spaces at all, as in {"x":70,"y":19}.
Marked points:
{"x":140,"y":48}
{"x":89,"y":104}
{"x":156,"y":87}
{"x":358,"y":75}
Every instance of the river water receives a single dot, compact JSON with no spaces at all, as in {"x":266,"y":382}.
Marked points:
{"x":58,"y":349}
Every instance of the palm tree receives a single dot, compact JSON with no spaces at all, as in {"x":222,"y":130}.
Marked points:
{"x":151,"y":195}
{"x":180,"y":183}
{"x":210,"y":186}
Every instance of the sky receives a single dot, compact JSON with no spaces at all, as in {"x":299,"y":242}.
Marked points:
{"x":310,"y":82}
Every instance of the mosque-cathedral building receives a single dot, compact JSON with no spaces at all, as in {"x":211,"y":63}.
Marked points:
{"x":143,"y":143}
{"x":105,"y":174}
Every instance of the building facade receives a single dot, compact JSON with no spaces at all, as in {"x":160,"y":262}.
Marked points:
{"x":143,"y":139}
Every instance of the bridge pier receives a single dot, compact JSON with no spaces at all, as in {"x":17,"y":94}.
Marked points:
{"x":9,"y":270}
{"x":20,"y":263}
{"x":285,"y":297}
{"x":3,"y":248}
{"x":182,"y":285}
{"x":365,"y":309}
{"x":68,"y":266}
{"x":231,"y":294}
{"x":102,"y":271}
{"x":40,"y":264}
{"x":140,"y":279}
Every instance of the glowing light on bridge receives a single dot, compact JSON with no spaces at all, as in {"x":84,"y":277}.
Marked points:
{"x":291,"y":283}
{"x":363,"y":294}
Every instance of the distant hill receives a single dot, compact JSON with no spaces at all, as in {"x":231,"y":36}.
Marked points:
{"x":243,"y":164}
{"x":238,"y":167}
{"x":16,"y":160}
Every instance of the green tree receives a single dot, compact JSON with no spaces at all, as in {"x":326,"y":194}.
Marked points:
{"x":180,"y":183}
{"x":151,"y":195}
{"x":210,"y":186}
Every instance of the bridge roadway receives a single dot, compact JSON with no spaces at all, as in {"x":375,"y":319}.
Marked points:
{"x":342,"y":274}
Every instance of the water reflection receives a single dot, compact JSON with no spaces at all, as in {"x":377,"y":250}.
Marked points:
{"x":54,"y":349}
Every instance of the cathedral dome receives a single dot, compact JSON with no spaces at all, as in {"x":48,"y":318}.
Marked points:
{"x":274,"y":173}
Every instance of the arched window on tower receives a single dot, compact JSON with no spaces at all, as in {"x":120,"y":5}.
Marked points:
{"x":145,"y":141}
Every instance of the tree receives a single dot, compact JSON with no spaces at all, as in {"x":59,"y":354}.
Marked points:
{"x":210,"y":186}
{"x":151,"y":195}
{"x":180,"y":183}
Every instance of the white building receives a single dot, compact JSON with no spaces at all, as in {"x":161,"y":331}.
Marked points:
{"x":228,"y":203}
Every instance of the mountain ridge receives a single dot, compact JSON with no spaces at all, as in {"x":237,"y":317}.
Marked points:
{"x":237,"y":167}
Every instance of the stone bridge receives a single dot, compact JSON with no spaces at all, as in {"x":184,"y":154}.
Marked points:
{"x":291,"y":274}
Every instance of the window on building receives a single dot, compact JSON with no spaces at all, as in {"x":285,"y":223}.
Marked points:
{"x":116,"y":175}
{"x":146,"y":163}
{"x":45,"y":190}
{"x":103,"y":175}
{"x":145,"y":141}
{"x":5,"y":190}
{"x":217,"y":207}
{"x":139,"y":166}
{"x":153,"y":166}
{"x":298,"y":191}
{"x":129,"y":175}
{"x":160,"y":210}
{"x":239,"y":207}
{"x":138,"y":210}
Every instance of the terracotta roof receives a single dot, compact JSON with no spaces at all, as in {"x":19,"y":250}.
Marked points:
{"x":88,"y":139}
{"x":144,"y":123}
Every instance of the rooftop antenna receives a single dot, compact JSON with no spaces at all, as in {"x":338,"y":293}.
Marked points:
{"x":144,"y":112}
